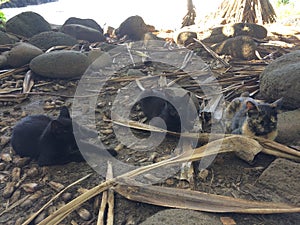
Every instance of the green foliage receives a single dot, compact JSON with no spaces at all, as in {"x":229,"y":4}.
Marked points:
{"x":283,"y":2}
{"x":2,"y":16}
{"x":2,"y":19}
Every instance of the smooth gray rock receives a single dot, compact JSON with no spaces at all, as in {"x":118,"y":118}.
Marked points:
{"x":181,"y":216}
{"x":22,"y":54}
{"x":3,"y":61}
{"x":282,"y":177}
{"x":134,"y":27}
{"x":94,"y":54}
{"x":60,"y":64}
{"x":289,"y":127}
{"x":85,"y":22}
{"x":99,"y":60}
{"x":5,"y":39}
{"x":81,"y":32}
{"x":281,"y":78}
{"x":27,"y":24}
{"x":48,"y":39}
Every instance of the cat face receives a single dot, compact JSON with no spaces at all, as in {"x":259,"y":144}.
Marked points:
{"x":262,"y":118}
{"x":63,"y":128}
{"x":179,"y":109}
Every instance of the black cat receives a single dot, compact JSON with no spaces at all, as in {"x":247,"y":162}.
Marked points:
{"x":249,"y":117}
{"x":159,"y":103}
{"x":49,"y":141}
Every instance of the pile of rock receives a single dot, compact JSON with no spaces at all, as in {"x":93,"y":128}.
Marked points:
{"x":236,"y":40}
{"x":31,"y":36}
{"x":28,"y":36}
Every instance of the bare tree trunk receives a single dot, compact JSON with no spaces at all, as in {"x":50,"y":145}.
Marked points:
{"x":251,"y":11}
{"x":189,"y":18}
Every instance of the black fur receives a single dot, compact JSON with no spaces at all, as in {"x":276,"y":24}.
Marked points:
{"x":49,"y":141}
{"x":154,"y":103}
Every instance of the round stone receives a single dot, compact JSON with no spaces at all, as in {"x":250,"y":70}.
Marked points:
{"x":60,"y":64}
{"x":281,"y":78}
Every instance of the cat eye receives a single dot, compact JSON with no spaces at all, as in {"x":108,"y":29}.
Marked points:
{"x":253,"y":113}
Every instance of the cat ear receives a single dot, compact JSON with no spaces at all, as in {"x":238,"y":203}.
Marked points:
{"x":251,"y":105}
{"x":64,"y":112}
{"x":277,"y":104}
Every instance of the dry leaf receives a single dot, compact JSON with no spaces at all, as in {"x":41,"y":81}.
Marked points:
{"x":227,"y":221}
{"x":188,"y":199}
{"x":28,"y":82}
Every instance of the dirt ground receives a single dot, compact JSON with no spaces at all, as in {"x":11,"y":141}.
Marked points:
{"x":228,"y":175}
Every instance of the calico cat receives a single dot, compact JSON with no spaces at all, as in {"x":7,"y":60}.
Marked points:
{"x":247,"y":116}
{"x":49,"y":141}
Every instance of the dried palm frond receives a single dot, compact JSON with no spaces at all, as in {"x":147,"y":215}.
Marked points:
{"x":127,"y":186}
